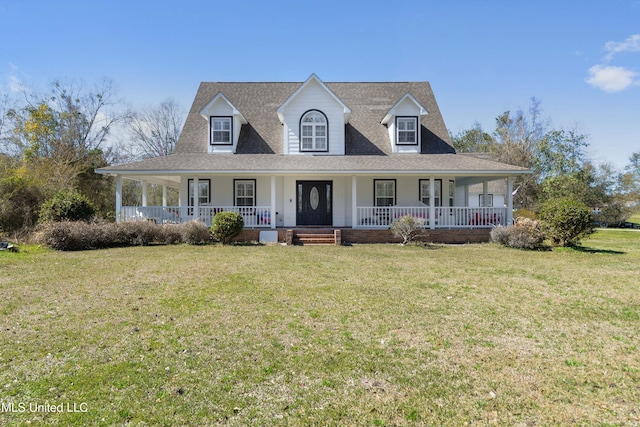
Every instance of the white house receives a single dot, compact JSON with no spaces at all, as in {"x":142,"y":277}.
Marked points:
{"x":349,"y":156}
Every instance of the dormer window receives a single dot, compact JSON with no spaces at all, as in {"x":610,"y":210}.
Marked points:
{"x":406,"y":130}
{"x":221,"y":130}
{"x":403,"y":122}
{"x":313,"y":131}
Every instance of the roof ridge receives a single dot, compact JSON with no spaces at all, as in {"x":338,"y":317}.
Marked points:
{"x":340,"y":82}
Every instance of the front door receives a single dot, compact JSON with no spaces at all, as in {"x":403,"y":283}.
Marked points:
{"x":314,"y":203}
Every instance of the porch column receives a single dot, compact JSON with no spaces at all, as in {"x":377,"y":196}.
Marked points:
{"x":196,"y":198}
{"x":164,"y":195}
{"x":274,"y":219}
{"x":466,"y":195}
{"x":118,"y":198}
{"x":509,"y":200}
{"x":432,"y":202}
{"x":485,"y":193}
{"x":144,"y":193}
{"x":354,"y":202}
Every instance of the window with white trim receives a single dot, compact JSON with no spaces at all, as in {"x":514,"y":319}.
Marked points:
{"x":313,"y":132}
{"x":221,"y":130}
{"x":384,"y":192}
{"x":245,"y":192}
{"x":204,"y":192}
{"x":486,"y":203}
{"x":406,"y":130}
{"x":424,"y":192}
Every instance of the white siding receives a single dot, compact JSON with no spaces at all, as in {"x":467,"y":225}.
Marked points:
{"x":499,"y":200}
{"x":460,"y":195}
{"x":289,"y":209}
{"x":223,"y":191}
{"x":280,"y":201}
{"x":341,"y":185}
{"x":314,"y":97}
{"x":407,"y":189}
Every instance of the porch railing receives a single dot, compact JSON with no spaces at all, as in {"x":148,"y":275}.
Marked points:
{"x":444,"y":217}
{"x":254,"y":216}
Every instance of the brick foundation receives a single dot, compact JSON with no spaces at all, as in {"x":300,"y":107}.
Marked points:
{"x":253,"y":235}
{"x":349,"y":235}
{"x":476,"y":235}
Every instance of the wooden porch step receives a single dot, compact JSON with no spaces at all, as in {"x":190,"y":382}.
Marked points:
{"x":314,"y":238}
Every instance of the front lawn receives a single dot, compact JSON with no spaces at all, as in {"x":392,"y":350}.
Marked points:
{"x":361,"y":335}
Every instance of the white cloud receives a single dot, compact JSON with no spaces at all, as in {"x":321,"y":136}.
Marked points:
{"x":631,"y":44}
{"x":14,"y":83}
{"x":612,"y":79}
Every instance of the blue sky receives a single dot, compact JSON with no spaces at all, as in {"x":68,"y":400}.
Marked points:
{"x":581,"y":59}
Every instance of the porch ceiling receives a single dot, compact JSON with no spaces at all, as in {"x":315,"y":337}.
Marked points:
{"x":471,"y":180}
{"x":172,"y":181}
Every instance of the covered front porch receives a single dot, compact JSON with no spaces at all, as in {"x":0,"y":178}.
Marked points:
{"x":368,"y":217}
{"x":356,"y":202}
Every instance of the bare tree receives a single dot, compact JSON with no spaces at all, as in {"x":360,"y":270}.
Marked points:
{"x":57,"y":139}
{"x":155,"y":130}
{"x":518,"y":136}
{"x":66,"y":125}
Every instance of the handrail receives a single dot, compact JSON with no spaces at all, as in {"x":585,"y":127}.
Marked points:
{"x":253,"y":216}
{"x":444,"y":217}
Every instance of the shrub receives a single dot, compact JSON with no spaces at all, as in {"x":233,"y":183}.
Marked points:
{"x":67,"y":206}
{"x":500,"y":235}
{"x":171,"y":234}
{"x":195,"y":233}
{"x":407,"y":228}
{"x":137,"y":233}
{"x":67,"y":235}
{"x":80,"y":235}
{"x":524,"y":234}
{"x":227,"y":226}
{"x":566,"y":221}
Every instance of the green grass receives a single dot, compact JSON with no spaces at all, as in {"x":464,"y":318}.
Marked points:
{"x":635,"y":219}
{"x":361,"y":335}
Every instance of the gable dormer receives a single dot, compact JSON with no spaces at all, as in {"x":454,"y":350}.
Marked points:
{"x":403,"y":122}
{"x":313,"y":120}
{"x":225,"y":122}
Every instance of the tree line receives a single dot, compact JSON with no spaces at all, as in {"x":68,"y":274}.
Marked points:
{"x":52,"y":142}
{"x":559,"y":159}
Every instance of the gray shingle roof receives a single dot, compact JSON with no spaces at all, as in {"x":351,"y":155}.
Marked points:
{"x":260,"y":145}
{"x":369,"y":102}
{"x":271,"y":163}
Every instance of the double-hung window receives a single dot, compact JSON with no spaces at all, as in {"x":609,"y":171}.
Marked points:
{"x":221,"y":130}
{"x":384,"y":192}
{"x":406,"y":130}
{"x":204,"y":192}
{"x":245,"y":192}
{"x":486,"y":202}
{"x":313,"y":132}
{"x":437,"y":191}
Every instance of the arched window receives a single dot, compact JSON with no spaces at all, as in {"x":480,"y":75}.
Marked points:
{"x":314,"y":131}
